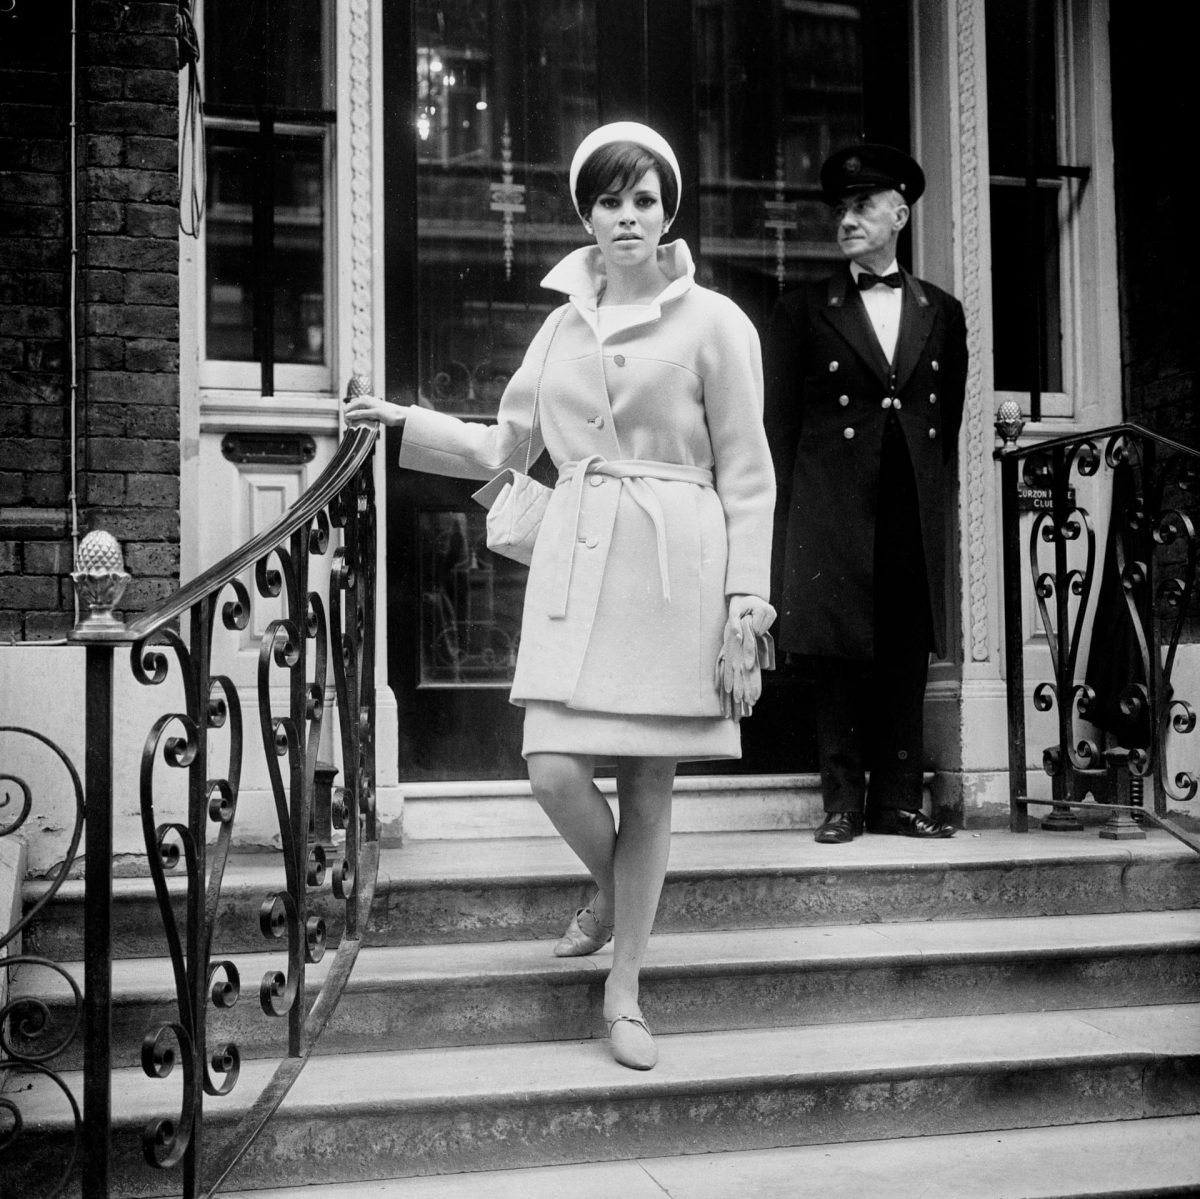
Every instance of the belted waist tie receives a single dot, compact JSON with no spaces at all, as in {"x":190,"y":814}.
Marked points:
{"x":632,"y":473}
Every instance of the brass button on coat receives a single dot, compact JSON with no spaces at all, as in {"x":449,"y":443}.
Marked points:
{"x":932,"y":434}
{"x":848,"y":433}
{"x":833,"y":366}
{"x":933,"y":397}
{"x":597,"y":480}
{"x":886,"y":402}
{"x":844,"y":401}
{"x":619,"y":359}
{"x":934,"y":365}
{"x":897,"y":405}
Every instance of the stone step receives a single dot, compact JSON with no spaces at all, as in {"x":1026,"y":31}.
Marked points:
{"x":412,"y":997}
{"x":474,"y":810}
{"x":432,"y":892}
{"x":1126,"y":1159}
{"x":354,"y":1117}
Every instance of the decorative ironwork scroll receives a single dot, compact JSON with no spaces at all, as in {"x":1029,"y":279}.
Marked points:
{"x":296,"y":651}
{"x":315,"y":642}
{"x":31,"y":1035}
{"x":1120,"y":719}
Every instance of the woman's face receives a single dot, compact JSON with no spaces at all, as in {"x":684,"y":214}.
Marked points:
{"x":629,"y":224}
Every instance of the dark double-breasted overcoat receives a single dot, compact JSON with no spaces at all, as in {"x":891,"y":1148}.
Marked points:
{"x":830,"y":393}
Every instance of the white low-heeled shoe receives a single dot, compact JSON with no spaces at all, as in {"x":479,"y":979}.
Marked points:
{"x":585,"y":935}
{"x":631,"y":1043}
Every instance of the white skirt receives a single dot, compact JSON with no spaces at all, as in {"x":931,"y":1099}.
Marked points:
{"x":554,"y":728}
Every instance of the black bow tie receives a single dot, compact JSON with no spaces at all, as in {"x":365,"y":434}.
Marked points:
{"x":866,"y":279}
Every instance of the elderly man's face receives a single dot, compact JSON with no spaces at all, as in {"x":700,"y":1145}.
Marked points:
{"x":868,"y":224}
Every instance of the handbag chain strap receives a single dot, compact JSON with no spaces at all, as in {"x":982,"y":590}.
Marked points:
{"x":537,"y":393}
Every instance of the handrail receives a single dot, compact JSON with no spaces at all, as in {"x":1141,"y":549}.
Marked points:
{"x":1141,"y":595}
{"x":1067,"y":440}
{"x":329,"y":839}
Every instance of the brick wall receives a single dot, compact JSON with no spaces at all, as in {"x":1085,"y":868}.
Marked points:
{"x":128,"y":302}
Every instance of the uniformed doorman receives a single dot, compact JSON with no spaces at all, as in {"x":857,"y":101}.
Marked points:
{"x":865,"y":379}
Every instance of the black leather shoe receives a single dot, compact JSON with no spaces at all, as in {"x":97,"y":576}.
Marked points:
{"x":838,"y":827}
{"x":904,"y":822}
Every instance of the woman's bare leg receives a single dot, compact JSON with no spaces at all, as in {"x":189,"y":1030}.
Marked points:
{"x":563,"y":785}
{"x":643,"y":846}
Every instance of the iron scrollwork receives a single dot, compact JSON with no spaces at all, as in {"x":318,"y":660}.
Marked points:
{"x":293,"y":660}
{"x":1135,"y":607}
{"x":31,"y":1036}
{"x":316,"y":641}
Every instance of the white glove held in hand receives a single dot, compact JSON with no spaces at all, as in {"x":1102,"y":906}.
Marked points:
{"x":748,"y":649}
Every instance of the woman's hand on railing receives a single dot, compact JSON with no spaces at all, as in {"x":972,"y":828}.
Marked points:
{"x":363,"y":410}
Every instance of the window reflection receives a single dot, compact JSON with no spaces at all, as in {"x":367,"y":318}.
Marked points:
{"x":504,"y":94}
{"x":779,"y":86}
{"x":471,"y":602}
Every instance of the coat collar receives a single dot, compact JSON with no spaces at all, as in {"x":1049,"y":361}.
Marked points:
{"x":845,"y":311}
{"x":581,"y":276}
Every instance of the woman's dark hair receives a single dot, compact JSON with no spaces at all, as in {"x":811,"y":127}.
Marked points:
{"x":616,"y":166}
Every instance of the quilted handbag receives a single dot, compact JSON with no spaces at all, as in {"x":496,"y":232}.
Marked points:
{"x":515,"y":502}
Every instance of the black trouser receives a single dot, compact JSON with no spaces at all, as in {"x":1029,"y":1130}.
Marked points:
{"x":870,"y":713}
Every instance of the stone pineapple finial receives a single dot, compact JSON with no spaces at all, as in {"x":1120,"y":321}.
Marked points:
{"x":100,"y":581}
{"x":1009,"y":422}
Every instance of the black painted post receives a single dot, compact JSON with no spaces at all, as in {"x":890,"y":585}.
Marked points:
{"x":97,"y":928}
{"x":1014,"y":645}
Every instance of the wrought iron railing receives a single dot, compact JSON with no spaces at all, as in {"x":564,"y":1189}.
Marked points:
{"x":1120,"y":721}
{"x":31,"y":1039}
{"x":328,"y":837}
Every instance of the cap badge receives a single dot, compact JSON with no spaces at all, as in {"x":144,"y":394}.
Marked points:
{"x":853,"y":165}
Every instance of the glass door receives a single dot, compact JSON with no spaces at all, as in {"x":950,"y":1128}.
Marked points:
{"x":500,"y":95}
{"x":486,"y":103}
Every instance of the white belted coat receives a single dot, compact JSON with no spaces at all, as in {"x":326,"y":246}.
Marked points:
{"x":666,"y":490}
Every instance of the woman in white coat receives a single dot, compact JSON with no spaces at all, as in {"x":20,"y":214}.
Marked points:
{"x":649,"y":401}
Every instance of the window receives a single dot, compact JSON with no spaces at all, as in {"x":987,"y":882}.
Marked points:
{"x":1031,"y":196}
{"x":269,"y":125}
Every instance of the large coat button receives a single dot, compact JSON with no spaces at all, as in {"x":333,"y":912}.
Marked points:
{"x":597,"y":480}
{"x":933,"y":397}
{"x":848,"y":433}
{"x":596,"y":421}
{"x":844,"y":401}
{"x":934,"y":365}
{"x":886,"y":402}
{"x":932,"y":434}
{"x":619,"y":359}
{"x":833,"y":366}
{"x":897,"y":404}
